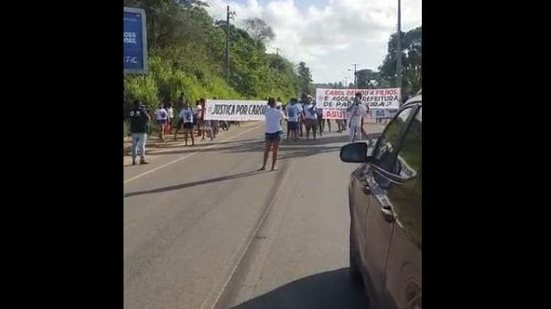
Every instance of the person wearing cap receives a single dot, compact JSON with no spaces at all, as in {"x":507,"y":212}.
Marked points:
{"x":139,"y":118}
{"x":357,"y":111}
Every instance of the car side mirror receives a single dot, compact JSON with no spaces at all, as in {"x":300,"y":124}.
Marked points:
{"x":354,"y":153}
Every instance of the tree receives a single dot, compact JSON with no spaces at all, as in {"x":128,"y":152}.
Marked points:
{"x":305,"y":78}
{"x":259,"y":30}
{"x":192,"y":3}
{"x":187,"y":54}
{"x":367,"y":79}
{"x":411,"y":54}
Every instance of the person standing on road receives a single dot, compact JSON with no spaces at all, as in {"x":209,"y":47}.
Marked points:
{"x":162,"y":118}
{"x":273,"y":132}
{"x":357,"y":111}
{"x":205,"y":125}
{"x":293,"y":114}
{"x":310,"y":117}
{"x":186,"y":119}
{"x":139,"y":118}
{"x":321,"y":123}
{"x":170,"y":111}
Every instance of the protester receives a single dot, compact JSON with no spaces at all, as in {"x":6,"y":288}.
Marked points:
{"x":186,"y":116}
{"x":162,"y":119}
{"x":170,"y":111}
{"x":357,"y":111}
{"x":293,"y":114}
{"x":321,"y":123}
{"x":273,"y":133}
{"x":139,"y":118}
{"x":310,"y":117}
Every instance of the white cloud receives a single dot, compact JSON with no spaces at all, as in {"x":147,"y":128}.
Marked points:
{"x":328,"y":36}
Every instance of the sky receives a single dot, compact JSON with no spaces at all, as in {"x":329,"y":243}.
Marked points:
{"x":328,"y":35}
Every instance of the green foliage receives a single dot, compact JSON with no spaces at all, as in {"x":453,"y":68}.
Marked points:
{"x":187,"y":54}
{"x":411,"y":54}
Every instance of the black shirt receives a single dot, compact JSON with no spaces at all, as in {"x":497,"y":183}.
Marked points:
{"x":138,"y":121}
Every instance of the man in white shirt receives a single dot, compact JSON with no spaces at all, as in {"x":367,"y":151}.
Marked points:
{"x":273,"y":132}
{"x":356,"y":112}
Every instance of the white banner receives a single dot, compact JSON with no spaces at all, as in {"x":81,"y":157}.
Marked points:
{"x":383,"y":103}
{"x":235,"y":110}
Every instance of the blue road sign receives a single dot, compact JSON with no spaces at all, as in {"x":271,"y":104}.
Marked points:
{"x":135,"y":41}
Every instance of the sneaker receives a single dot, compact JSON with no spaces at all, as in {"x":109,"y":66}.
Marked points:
{"x":144,"y":162}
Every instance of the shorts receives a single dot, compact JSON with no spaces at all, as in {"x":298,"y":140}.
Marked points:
{"x":161,"y":121}
{"x":273,"y":137}
{"x":310,"y":123}
{"x":188,"y":125}
{"x":292,"y":125}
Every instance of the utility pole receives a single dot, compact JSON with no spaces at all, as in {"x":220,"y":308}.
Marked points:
{"x":228,"y":44}
{"x":399,"y":53}
{"x":355,"y":64}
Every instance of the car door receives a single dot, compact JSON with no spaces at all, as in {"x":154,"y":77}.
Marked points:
{"x":377,"y":231}
{"x":403,"y":270}
{"x":359,"y":202}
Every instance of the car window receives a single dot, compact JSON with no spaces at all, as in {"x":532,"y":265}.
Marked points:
{"x":408,"y":162}
{"x":406,"y":197}
{"x":388,"y":143}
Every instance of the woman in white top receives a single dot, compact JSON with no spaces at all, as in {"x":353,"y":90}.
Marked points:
{"x":170,"y":111}
{"x":273,"y":132}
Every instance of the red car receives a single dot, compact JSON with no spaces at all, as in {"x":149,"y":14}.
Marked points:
{"x":385,"y":211}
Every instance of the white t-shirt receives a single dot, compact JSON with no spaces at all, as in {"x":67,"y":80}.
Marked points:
{"x":355,"y":115}
{"x":293,"y":111}
{"x":199,"y":110}
{"x":161,"y":114}
{"x":170,"y":112}
{"x":186,"y":115}
{"x":310,"y":112}
{"x":273,"y":120}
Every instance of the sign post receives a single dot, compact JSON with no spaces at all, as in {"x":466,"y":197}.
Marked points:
{"x":135,"y":41}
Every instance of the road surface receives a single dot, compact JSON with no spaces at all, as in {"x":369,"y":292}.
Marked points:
{"x":204,"y":229}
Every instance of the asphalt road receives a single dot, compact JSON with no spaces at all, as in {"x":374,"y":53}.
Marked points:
{"x":204,"y":229}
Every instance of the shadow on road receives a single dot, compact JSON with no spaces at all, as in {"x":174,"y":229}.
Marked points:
{"x":331,"y":289}
{"x":341,"y":138}
{"x":195,"y":183}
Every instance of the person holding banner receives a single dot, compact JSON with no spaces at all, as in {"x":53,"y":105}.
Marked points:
{"x":357,"y":112}
{"x":273,"y":131}
{"x":301,"y":121}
